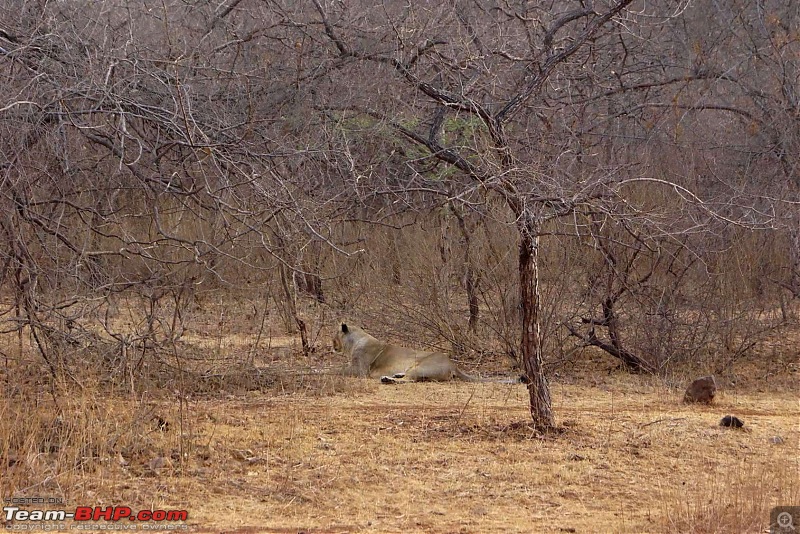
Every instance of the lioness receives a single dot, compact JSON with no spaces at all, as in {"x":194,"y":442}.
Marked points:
{"x":370,"y":357}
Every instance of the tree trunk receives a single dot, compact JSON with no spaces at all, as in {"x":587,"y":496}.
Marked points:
{"x":396,"y":269}
{"x":291,"y":305}
{"x":470,"y":279}
{"x":471,"y":286}
{"x":308,"y":280}
{"x":539,"y":391}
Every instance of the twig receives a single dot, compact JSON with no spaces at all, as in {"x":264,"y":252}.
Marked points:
{"x":662,"y":420}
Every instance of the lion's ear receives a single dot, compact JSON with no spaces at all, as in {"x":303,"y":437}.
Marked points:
{"x":344,"y":328}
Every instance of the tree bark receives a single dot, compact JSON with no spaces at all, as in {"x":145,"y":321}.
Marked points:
{"x":470,"y":279}
{"x":291,"y":305}
{"x":531,"y":345}
{"x":471,"y":286}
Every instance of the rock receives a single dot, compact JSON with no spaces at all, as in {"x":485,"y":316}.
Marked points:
{"x":731,"y":421}
{"x":701,"y":390}
{"x":776,"y":440}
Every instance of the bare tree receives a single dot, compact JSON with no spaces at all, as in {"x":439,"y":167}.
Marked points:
{"x":556,"y":119}
{"x":140,"y":158}
{"x":457,"y":74}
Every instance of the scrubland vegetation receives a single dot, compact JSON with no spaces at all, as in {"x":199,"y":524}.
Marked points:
{"x":600,"y":196}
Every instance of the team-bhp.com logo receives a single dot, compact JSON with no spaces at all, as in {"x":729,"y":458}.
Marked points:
{"x":96,"y":513}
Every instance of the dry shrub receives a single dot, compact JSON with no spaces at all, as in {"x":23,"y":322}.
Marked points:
{"x":738,"y":500}
{"x":409,"y":284}
{"x":699,"y":303}
{"x":53,"y":442}
{"x":52,"y":447}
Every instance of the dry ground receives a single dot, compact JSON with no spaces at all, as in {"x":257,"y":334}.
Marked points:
{"x":459,"y":457}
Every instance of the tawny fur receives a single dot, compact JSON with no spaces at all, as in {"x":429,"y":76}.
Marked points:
{"x":370,"y":357}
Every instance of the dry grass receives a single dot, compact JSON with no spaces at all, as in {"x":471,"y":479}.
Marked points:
{"x":420,"y":457}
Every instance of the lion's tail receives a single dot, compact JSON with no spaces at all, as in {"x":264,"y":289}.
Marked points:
{"x":498,"y":380}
